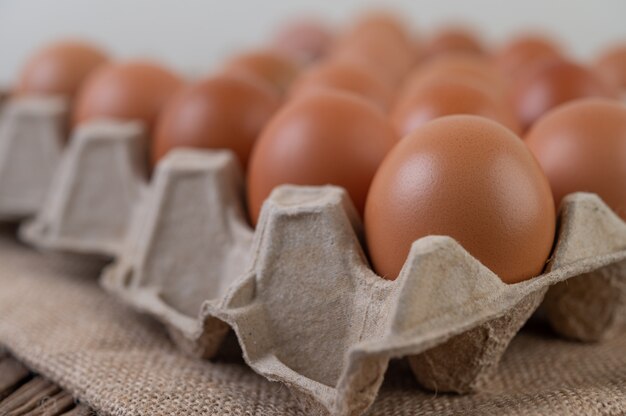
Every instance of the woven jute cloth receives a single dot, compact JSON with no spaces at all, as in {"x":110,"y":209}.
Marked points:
{"x":56,"y":319}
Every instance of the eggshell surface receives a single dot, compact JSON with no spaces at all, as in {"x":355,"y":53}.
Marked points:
{"x":273,"y":67}
{"x":344,"y":76}
{"x":454,"y":39}
{"x":59,"y":69}
{"x":612,"y":64}
{"x":442,"y":98}
{"x":305,"y":40}
{"x":384,"y":25}
{"x":582,"y":148}
{"x":389,"y":61}
{"x":521,"y":54}
{"x":456,"y":67}
{"x":469,"y":178}
{"x":135,"y":90}
{"x":555,"y":83}
{"x":380,"y":43}
{"x":327,"y":137}
{"x":218,"y":113}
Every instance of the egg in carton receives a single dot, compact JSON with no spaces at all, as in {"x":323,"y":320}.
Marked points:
{"x":93,"y":194}
{"x":307,"y":308}
{"x":32,"y":136}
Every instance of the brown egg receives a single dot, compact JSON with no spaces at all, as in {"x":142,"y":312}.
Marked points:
{"x":380,"y":43}
{"x":456,"y":67}
{"x":59,"y":69}
{"x":523,"y":53}
{"x":469,"y":178}
{"x":581,"y":146}
{"x":219,"y":113}
{"x":277,"y":69}
{"x":389,"y":61}
{"x":326,"y":137}
{"x":344,"y":76}
{"x":554,"y":83}
{"x":135,"y":90}
{"x":304,"y":40}
{"x":454,"y":39}
{"x":382,"y":24}
{"x":442,"y":98}
{"x":612,"y":65}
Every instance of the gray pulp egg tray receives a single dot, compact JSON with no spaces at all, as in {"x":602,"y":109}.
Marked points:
{"x":93,"y":192}
{"x":298,"y":292}
{"x":32,"y":133}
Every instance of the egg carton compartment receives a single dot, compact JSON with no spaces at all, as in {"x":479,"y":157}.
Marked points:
{"x":307,"y":308}
{"x":188,"y":245}
{"x":590,"y":306}
{"x":32,"y":136}
{"x":311,"y":314}
{"x":100,"y":179}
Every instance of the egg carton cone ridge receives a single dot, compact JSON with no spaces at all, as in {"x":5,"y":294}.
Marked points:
{"x":95,"y":189}
{"x":31,"y":143}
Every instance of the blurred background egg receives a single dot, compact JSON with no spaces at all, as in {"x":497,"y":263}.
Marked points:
{"x":552,"y":83}
{"x":386,"y":25}
{"x":381,"y":43}
{"x":273,"y":67}
{"x":454,"y":38}
{"x":612,"y":65}
{"x":59,"y":69}
{"x":464,"y":67}
{"x":222,"y":112}
{"x":325,"y":137}
{"x":581,"y":146}
{"x":344,"y":76}
{"x":305,"y":40}
{"x":134,"y":90}
{"x":447,"y":97}
{"x":524,"y":52}
{"x":469,"y":178}
{"x":389,"y":62}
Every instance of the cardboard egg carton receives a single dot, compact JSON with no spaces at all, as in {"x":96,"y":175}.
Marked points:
{"x":32,"y":136}
{"x":590,"y":306}
{"x":94,"y":192}
{"x":191,"y":225}
{"x":307,"y":308}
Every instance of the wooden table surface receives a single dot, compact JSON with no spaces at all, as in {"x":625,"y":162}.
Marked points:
{"x":24,"y":393}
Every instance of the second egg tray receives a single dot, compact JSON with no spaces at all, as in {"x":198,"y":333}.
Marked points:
{"x":32,"y":133}
{"x":298,"y":291}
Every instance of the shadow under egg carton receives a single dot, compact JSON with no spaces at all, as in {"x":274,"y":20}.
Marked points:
{"x":94,"y":191}
{"x":307,"y":308}
{"x":32,"y":136}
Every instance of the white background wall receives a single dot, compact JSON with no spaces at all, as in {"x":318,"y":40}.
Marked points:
{"x":191,"y":35}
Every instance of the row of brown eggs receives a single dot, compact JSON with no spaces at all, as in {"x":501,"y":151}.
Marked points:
{"x":434,"y":128}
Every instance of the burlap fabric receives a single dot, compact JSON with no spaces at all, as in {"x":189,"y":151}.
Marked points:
{"x":55,"y":318}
